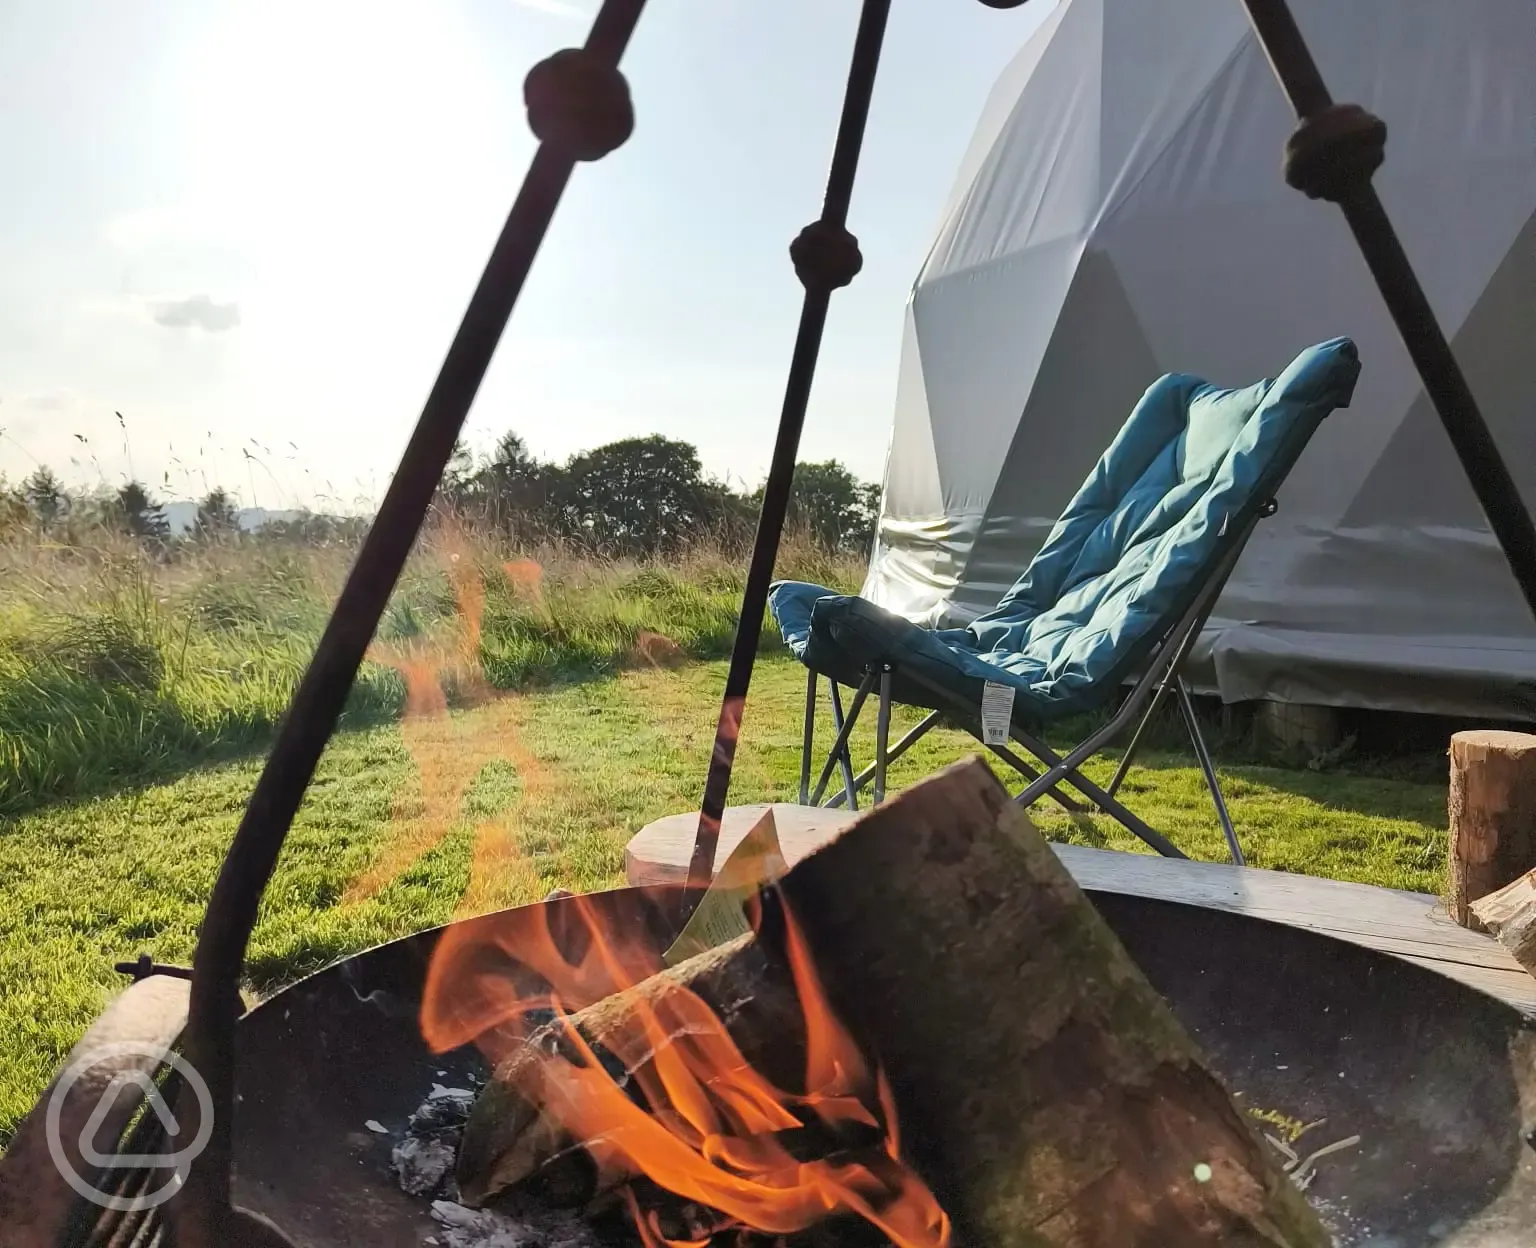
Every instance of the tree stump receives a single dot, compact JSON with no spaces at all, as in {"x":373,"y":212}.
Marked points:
{"x":1492,"y":808}
{"x":1045,"y":1090}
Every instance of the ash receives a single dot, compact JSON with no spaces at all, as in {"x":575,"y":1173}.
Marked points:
{"x":423,"y":1161}
{"x":485,"y":1228}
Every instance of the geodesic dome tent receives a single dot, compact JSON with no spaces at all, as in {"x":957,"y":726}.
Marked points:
{"x":1120,"y":214}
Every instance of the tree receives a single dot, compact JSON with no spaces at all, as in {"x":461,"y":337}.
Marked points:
{"x":460,"y":488}
{"x":638,"y":496}
{"x":518,"y":490}
{"x":14,"y":512}
{"x":139,"y":514}
{"x":216,"y":517}
{"x":45,"y":497}
{"x":833,"y":506}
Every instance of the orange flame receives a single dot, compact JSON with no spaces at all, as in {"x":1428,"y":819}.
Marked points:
{"x":449,"y":757}
{"x":710,"y":1128}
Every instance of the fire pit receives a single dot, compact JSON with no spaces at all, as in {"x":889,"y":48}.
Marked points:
{"x":1437,"y":1080}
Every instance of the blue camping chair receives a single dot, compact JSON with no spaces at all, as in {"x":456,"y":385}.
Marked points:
{"x":1117,"y":595}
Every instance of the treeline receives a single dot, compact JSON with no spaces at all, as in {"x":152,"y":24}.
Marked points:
{"x":635,"y":498}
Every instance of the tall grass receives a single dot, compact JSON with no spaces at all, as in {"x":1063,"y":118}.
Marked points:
{"x":121,"y":663}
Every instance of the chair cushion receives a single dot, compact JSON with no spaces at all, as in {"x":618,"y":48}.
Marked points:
{"x":1148,"y":529}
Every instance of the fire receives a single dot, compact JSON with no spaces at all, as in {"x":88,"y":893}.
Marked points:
{"x":708,"y":1127}
{"x":449,"y":755}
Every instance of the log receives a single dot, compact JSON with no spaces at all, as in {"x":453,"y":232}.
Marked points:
{"x":1492,"y":808}
{"x":1045,"y":1090}
{"x":1510,"y":914}
{"x":507,"y":1141}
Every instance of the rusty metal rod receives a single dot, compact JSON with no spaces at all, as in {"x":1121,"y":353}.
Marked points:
{"x":322,"y":693}
{"x":781,"y":471}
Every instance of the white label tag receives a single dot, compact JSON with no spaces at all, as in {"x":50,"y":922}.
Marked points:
{"x":721,"y":915}
{"x":996,"y":713}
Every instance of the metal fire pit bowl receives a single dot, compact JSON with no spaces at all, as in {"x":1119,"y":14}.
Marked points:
{"x":1438,"y":1080}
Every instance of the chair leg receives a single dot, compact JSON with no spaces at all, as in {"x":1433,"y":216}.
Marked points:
{"x":1063,"y":770}
{"x":1129,"y":756}
{"x":929,"y":722}
{"x":882,"y":734}
{"x":1067,"y":803}
{"x":808,"y":737}
{"x":839,"y":752}
{"x":1197,"y":738}
{"x":844,"y":757}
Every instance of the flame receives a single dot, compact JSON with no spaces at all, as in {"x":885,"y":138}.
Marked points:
{"x":448,"y":755}
{"x":526,"y":577}
{"x":708,"y":1127}
{"x":655,"y":649}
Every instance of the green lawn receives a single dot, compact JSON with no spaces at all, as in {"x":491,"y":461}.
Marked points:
{"x":408,"y":825}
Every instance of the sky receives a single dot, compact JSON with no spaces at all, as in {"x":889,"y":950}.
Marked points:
{"x":251,"y":227}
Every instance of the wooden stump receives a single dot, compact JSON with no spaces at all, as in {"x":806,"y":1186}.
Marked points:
{"x":1045,"y":1090}
{"x":1492,"y":808}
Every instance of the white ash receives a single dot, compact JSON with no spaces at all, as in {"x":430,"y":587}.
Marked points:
{"x":423,"y":1160}
{"x":422,"y":1166}
{"x":485,"y":1228}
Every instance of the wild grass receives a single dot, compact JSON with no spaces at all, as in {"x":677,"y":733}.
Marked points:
{"x":122,"y":662}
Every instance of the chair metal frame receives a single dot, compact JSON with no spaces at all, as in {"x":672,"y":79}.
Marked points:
{"x":1161,"y":676}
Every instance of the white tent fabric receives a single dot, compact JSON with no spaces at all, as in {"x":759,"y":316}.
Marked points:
{"x":1121,"y":214}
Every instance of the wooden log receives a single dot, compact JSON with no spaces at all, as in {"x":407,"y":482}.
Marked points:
{"x":1510,"y":914}
{"x":1045,"y":1091}
{"x":1492,"y":808}
{"x":507,"y":1141}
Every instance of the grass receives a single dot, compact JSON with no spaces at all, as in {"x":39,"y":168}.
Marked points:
{"x":410,"y":824}
{"x":117,"y":665}
{"x":552,"y":706}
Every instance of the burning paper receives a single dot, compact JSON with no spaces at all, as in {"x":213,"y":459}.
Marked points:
{"x":721,"y":915}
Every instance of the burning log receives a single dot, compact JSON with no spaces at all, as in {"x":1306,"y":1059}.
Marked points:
{"x":1045,"y":1093}
{"x":509,"y":1139}
{"x":676,"y":1082}
{"x":1049,"y":1095}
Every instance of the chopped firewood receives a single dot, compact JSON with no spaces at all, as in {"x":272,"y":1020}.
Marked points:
{"x":1510,"y":914}
{"x":1045,"y":1090}
{"x":1492,"y":809}
{"x":507,"y":1140}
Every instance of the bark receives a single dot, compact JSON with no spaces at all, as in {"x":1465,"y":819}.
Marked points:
{"x":1045,"y":1090}
{"x":1492,"y":808}
{"x":507,"y":1141}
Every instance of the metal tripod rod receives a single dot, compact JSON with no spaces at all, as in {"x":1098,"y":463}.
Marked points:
{"x":579,"y":107}
{"x":824,"y":260}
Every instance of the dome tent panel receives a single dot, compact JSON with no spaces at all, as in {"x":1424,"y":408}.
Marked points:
{"x":1193,"y":255}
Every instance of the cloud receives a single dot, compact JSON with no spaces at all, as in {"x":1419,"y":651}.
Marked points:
{"x":196,"y":312}
{"x":50,"y":401}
